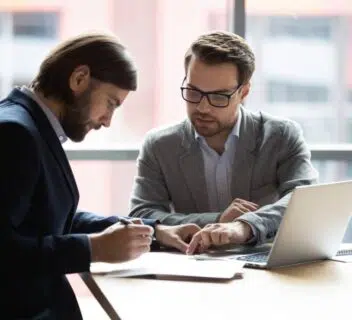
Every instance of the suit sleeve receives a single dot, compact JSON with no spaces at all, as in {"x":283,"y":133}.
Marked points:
{"x":150,"y":196}
{"x":28,"y":251}
{"x":294,"y":169}
{"x":88,"y":222}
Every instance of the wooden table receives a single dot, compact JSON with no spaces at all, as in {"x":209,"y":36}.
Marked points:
{"x":319,"y":290}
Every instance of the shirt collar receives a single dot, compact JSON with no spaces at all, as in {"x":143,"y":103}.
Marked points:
{"x":235,"y":132}
{"x":50,"y":115}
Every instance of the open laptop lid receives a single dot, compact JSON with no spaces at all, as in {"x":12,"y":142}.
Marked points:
{"x":313,"y":225}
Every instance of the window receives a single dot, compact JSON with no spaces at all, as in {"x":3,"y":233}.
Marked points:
{"x":20,"y":82}
{"x":350,"y":130}
{"x":36,"y":24}
{"x":302,"y":27}
{"x":292,"y":92}
{"x":349,"y":171}
{"x":1,"y":23}
{"x":303,"y":51}
{"x":303,"y":65}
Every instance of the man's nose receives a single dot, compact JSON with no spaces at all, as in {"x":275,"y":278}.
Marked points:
{"x":203,"y":106}
{"x":106,"y":121}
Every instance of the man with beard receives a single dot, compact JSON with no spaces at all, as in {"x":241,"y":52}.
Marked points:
{"x":225,"y":168}
{"x":42,"y":235}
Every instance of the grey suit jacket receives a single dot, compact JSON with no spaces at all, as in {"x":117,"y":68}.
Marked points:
{"x":271,"y":159}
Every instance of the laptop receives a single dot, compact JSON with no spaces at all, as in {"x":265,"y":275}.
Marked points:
{"x":311,"y":229}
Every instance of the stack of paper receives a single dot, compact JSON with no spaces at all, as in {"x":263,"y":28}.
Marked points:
{"x":168,"y":265}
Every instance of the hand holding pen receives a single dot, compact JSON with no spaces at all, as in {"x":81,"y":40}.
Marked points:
{"x":123,"y":241}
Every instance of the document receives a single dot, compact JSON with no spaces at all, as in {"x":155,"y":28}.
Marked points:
{"x":166,"y":265}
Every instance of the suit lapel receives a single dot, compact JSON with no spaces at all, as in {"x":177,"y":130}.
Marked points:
{"x":192,"y":167}
{"x":245,"y":156}
{"x":48,"y":135}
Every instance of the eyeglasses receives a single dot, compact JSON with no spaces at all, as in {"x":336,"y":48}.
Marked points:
{"x":218,"y":100}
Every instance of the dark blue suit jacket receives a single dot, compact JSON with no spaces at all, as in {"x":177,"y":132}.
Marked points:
{"x":42,"y":236}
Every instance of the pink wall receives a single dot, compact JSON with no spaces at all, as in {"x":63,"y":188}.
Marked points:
{"x":106,"y":186}
{"x":81,"y":16}
{"x":179,"y":23}
{"x":134,"y":21}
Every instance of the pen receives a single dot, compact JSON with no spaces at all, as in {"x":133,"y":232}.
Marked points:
{"x":125,"y":221}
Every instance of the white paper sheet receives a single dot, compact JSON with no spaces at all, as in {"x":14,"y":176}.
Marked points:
{"x":172,"y":265}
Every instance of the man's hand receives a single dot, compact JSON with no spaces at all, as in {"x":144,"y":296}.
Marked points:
{"x":219,"y":234}
{"x":119,"y":243}
{"x":176,"y":236}
{"x":237,"y":208}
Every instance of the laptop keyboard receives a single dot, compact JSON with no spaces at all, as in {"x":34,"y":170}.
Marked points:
{"x":258,"y":257}
{"x":263,"y":257}
{"x":347,"y":252}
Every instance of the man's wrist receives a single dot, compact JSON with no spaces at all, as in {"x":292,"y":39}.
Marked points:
{"x":94,"y":247}
{"x":158,"y":227}
{"x":247,"y":230}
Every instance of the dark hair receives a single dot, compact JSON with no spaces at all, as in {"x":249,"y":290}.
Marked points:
{"x":107,"y":59}
{"x":221,"y":47}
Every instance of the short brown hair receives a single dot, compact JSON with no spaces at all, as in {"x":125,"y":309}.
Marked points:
{"x":221,"y":47}
{"x":107,"y":59}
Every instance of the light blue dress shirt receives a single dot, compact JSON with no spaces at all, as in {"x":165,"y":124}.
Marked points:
{"x":218,"y":172}
{"x":218,"y":169}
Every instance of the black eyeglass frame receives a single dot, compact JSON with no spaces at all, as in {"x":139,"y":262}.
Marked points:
{"x":206,"y":94}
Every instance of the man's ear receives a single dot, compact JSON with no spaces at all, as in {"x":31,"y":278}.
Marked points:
{"x":245,"y":91}
{"x":80,"y":79}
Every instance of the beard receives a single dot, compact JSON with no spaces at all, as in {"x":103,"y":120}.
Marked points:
{"x":209,"y":127}
{"x":76,"y":122}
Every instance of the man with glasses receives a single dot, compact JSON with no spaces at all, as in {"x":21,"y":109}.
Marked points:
{"x":225,"y":168}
